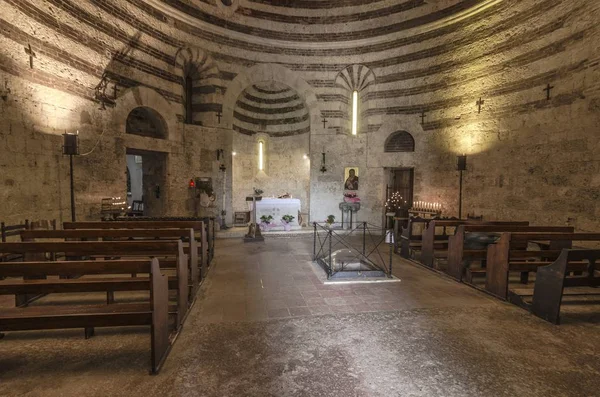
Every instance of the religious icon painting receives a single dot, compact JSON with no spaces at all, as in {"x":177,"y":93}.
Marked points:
{"x":351,"y":178}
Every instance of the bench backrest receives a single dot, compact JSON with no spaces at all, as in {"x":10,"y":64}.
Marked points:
{"x":196,"y":225}
{"x":551,"y":280}
{"x":170,"y":248}
{"x":12,"y":230}
{"x":93,"y":234}
{"x":513,"y":247}
{"x":457,"y":253}
{"x":431,"y":237}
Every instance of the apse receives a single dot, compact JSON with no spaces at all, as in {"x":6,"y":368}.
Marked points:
{"x":271,"y":143}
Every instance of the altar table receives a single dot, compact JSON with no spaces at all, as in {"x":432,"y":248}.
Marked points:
{"x":278,"y":208}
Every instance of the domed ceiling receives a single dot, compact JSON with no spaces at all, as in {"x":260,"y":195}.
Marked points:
{"x":272,"y":108}
{"x":319,"y":20}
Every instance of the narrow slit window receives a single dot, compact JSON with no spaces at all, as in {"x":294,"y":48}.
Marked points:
{"x":261,"y":155}
{"x":354,"y":112}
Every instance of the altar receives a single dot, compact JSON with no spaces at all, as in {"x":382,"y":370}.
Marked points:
{"x":278,"y":208}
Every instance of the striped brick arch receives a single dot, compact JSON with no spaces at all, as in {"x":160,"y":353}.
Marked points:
{"x":206,"y":86}
{"x":273,"y":108}
{"x":354,"y":78}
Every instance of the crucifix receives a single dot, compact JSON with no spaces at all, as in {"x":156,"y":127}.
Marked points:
{"x":479,"y":103}
{"x":324,"y":121}
{"x":423,"y":117}
{"x":547,"y":89}
{"x":219,"y":115}
{"x":31,"y":54}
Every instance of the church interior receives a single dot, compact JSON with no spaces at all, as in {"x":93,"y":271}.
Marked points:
{"x":300,"y":198}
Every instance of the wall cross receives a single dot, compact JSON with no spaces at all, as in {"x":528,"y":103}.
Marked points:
{"x":548,"y":89}
{"x":479,"y":103}
{"x":324,"y":121}
{"x":423,"y":117}
{"x":31,"y":54}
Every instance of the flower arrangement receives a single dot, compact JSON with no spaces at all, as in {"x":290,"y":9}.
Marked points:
{"x":258,"y":192}
{"x":288,"y":218}
{"x":350,"y":197}
{"x":266,"y":219}
{"x":330,"y":220}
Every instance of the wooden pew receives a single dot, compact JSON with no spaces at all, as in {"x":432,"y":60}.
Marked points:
{"x":432,"y":241}
{"x":510,"y":254}
{"x":409,"y":238}
{"x":128,"y":249}
{"x":137,"y":234}
{"x":551,"y":280}
{"x":198,"y":226}
{"x":457,"y":255}
{"x":155,"y":314}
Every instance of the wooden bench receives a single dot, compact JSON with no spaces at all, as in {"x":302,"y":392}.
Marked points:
{"x":551,"y":280}
{"x":209,"y":223}
{"x":199,"y":227}
{"x":409,"y":238}
{"x":458,"y":255}
{"x":435,"y":245}
{"x":191,"y":250}
{"x":155,"y":314}
{"x":510,"y":254}
{"x":130,"y":249}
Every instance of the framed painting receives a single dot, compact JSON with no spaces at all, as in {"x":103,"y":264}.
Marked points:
{"x":351,"y":178}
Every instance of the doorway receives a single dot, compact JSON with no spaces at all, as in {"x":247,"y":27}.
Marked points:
{"x":147,"y":182}
{"x":401,"y":180}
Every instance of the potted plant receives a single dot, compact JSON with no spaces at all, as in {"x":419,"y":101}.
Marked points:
{"x":287,"y":219}
{"x":330,"y":220}
{"x":265,"y":221}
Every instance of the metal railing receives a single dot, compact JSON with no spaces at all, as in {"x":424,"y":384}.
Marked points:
{"x":364,"y":245}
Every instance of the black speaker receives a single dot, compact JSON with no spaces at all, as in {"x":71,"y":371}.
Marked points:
{"x":70,"y":144}
{"x":461,"y":162}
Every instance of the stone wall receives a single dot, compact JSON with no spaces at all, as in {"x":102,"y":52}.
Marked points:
{"x":529,"y":157}
{"x":286,"y":169}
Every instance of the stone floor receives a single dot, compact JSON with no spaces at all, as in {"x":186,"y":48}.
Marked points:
{"x":265,"y":325}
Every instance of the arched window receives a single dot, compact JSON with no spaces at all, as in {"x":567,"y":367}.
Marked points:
{"x":189,"y":93}
{"x":400,"y":141}
{"x":147,"y":122}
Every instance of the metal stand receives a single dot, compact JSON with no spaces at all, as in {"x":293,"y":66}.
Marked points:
{"x":254,"y":233}
{"x":72,"y":188}
{"x":460,"y":184}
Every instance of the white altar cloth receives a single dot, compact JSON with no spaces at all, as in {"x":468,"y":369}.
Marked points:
{"x":278,"y":208}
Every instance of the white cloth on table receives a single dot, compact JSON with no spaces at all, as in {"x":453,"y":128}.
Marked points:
{"x":278,"y":208}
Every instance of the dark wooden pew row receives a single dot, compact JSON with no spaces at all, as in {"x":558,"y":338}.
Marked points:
{"x":409,"y":238}
{"x":155,"y":314}
{"x":209,"y":223}
{"x":458,"y":255}
{"x":199,"y":228}
{"x":138,"y":234}
{"x":551,"y":280}
{"x":435,"y":245}
{"x":510,"y":254}
{"x":122,"y":249}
